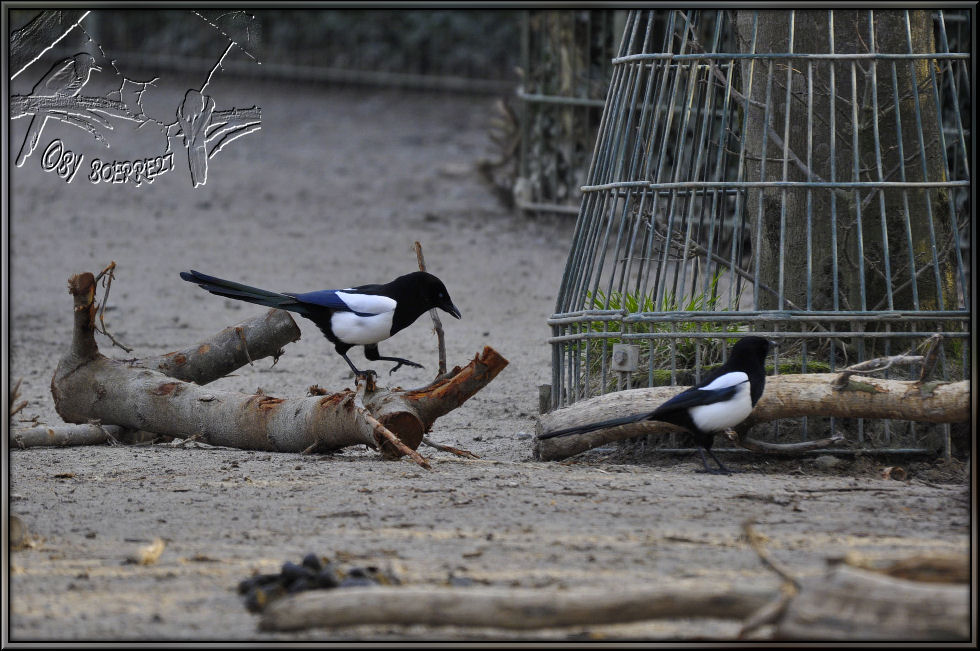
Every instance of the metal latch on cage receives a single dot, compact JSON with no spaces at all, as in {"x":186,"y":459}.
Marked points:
{"x":625,"y":357}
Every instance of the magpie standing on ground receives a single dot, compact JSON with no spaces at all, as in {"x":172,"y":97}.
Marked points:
{"x":357,"y":316}
{"x":723,"y":399}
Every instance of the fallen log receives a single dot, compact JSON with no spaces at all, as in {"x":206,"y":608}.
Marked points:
{"x":88,"y":386}
{"x":853,"y":604}
{"x":506,"y":608}
{"x":785,"y":396}
{"x":918,"y":598}
{"x":63,"y":435}
{"x":845,"y":604}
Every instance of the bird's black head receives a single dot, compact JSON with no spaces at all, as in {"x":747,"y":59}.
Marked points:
{"x":433,"y":292}
{"x":751,"y":349}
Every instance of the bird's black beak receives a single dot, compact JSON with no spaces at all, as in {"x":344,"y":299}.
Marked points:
{"x":452,"y":309}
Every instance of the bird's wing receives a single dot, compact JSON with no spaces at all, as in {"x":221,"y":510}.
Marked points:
{"x":721,"y":388}
{"x":342,"y":301}
{"x":368,"y":303}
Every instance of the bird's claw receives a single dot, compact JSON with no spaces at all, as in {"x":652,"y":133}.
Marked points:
{"x":404,"y":363}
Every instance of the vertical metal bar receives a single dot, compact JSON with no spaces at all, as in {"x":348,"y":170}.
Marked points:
{"x":658,"y":153}
{"x":741,"y":199}
{"x":757,"y":253}
{"x":809,"y":191}
{"x":945,"y":158}
{"x":787,"y":111}
{"x":668,"y":236}
{"x":700,"y":115}
{"x":856,"y":176}
{"x":878,"y":164}
{"x":905,"y":193}
{"x":833,"y":196}
{"x":925,"y":165}
{"x":961,"y":133}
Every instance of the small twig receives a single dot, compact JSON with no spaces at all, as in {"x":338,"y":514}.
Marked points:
{"x":787,"y":449}
{"x":436,"y":321}
{"x":382,"y":433}
{"x":874,"y":366}
{"x":310,"y":449}
{"x":14,"y":395}
{"x":459,"y":452}
{"x":771,"y":613}
{"x":932,"y":355}
{"x":241,"y":335}
{"x":183,"y":442}
{"x":844,"y":489}
{"x":108,"y":273}
{"x":755,"y":542}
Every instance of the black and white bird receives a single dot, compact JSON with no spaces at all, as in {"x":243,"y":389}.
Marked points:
{"x":356,"y":316}
{"x":723,"y":399}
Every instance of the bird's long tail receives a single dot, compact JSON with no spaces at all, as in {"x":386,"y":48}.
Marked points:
{"x":242,"y":292}
{"x":582,"y":429}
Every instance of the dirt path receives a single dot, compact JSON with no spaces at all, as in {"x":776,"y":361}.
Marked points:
{"x":333,"y":191}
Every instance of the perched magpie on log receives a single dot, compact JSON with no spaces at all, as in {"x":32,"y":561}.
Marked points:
{"x":356,"y":316}
{"x":723,"y":399}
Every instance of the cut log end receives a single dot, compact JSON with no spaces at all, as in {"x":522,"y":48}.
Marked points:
{"x":407,"y":427}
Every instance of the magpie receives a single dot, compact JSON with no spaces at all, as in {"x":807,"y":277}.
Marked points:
{"x":356,"y":316}
{"x":723,"y":399}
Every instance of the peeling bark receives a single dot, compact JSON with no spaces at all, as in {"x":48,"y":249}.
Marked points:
{"x":89,"y":386}
{"x":786,"y":396}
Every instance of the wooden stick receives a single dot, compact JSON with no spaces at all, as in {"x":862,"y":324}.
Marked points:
{"x":108,"y":274}
{"x":516,"y":609}
{"x":459,"y":452}
{"x":786,"y":449}
{"x":755,"y":542}
{"x":436,"y":321}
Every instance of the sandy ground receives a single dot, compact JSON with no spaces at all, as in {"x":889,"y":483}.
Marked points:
{"x":332,"y":192}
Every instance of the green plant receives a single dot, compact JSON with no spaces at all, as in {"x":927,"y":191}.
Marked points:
{"x":657,"y":352}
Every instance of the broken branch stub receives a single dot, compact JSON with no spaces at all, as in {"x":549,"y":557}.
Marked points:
{"x":232,"y":348}
{"x":88,"y":386}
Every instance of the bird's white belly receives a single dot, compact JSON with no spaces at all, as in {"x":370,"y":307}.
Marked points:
{"x":361,"y":330}
{"x":722,"y":415}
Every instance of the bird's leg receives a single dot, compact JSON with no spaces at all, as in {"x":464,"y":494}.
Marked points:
{"x":357,"y":372}
{"x":722,"y":469}
{"x":371,"y":352}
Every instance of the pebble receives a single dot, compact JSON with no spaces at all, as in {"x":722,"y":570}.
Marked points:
{"x":826,"y":461}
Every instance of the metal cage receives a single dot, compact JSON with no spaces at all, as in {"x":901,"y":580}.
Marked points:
{"x":798,"y":174}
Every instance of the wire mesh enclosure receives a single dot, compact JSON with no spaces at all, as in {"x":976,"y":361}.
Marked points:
{"x":799,"y":174}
